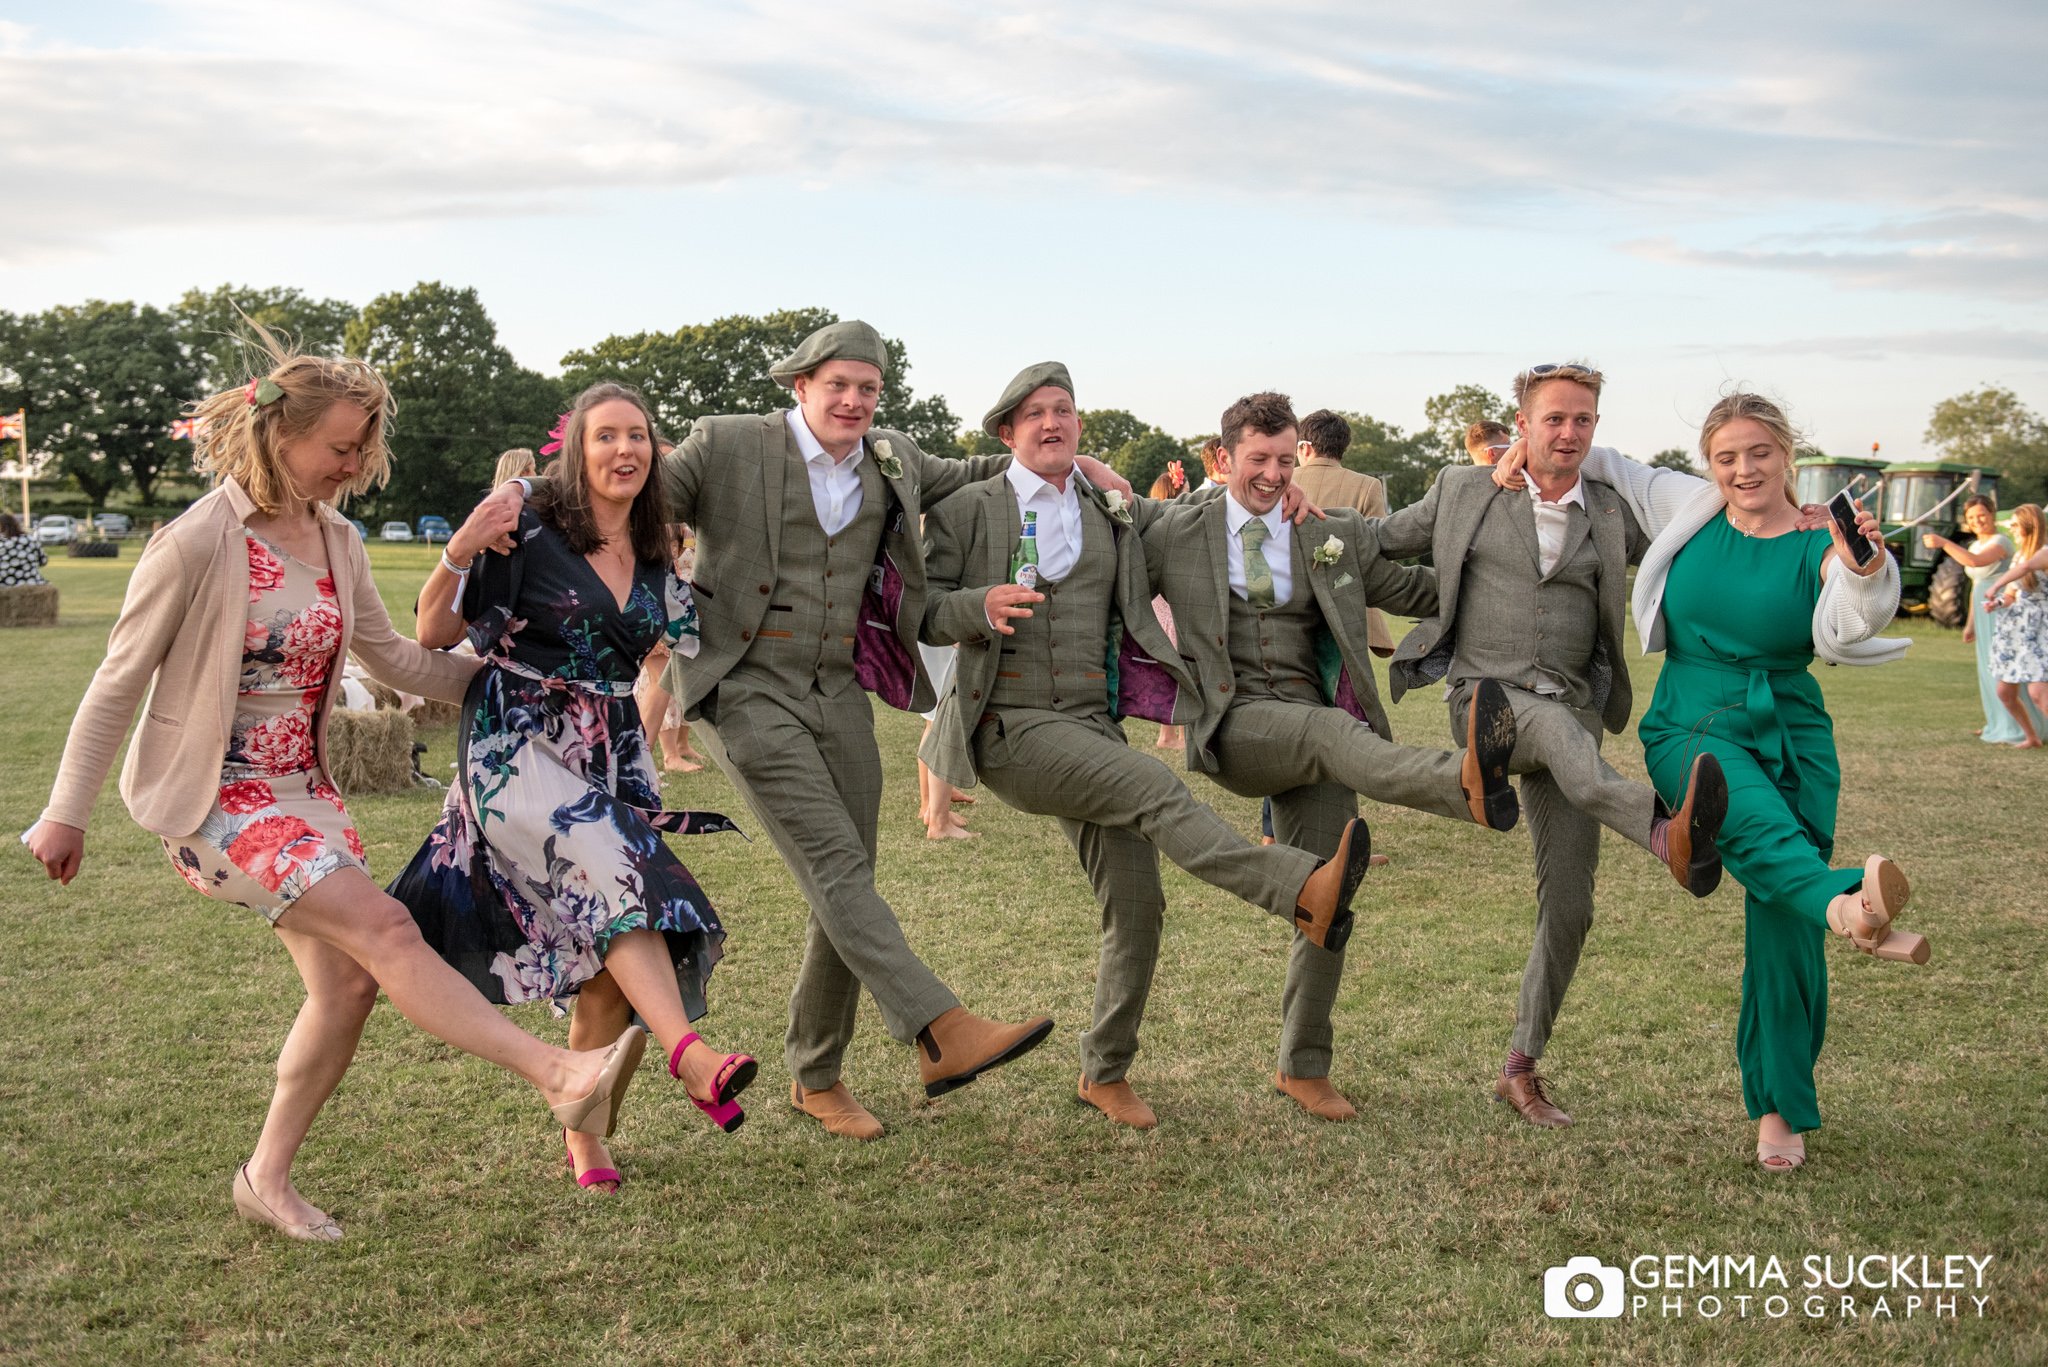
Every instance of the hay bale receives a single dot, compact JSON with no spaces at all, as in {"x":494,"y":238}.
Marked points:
{"x":434,"y":712}
{"x":28,"y":605}
{"x":369,"y":752}
{"x":383,"y":694}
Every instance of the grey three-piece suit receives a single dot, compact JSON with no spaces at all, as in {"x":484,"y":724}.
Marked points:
{"x":797,"y":628}
{"x":1555,"y":642}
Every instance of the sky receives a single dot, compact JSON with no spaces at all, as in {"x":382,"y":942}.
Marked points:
{"x":1360,"y":204}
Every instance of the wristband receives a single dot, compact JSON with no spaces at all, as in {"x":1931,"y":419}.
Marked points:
{"x":449,"y":565}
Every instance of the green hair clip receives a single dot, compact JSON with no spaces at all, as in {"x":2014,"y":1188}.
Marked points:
{"x":264,"y":391}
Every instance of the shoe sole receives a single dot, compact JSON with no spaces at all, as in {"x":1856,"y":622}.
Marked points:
{"x":1357,"y":860}
{"x":1490,"y":735}
{"x":1706,"y":807}
{"x":1023,"y":1046}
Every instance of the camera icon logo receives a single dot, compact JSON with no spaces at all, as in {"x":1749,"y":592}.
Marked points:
{"x":1582,"y":1289}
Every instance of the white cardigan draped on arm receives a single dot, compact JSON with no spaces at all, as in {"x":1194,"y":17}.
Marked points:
{"x":1672,"y":505}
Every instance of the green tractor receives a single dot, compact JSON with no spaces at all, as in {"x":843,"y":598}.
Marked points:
{"x":1916,"y":497}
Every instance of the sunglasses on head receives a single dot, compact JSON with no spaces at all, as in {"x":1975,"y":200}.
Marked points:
{"x":1551,"y":369}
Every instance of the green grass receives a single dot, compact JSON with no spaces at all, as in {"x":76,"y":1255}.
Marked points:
{"x":1004,"y":1223}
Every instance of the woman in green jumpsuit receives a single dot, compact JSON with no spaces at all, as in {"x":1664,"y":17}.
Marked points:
{"x":1730,"y":590}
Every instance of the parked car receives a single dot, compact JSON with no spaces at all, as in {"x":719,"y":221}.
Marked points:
{"x":361,"y":530}
{"x":113,"y":526}
{"x":396,"y":531}
{"x":56,"y":530}
{"x":434,"y":529}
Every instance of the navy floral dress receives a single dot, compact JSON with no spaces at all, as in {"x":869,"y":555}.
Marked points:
{"x":550,"y":842}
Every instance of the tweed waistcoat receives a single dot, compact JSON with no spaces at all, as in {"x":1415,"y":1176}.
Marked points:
{"x":1547,"y":640}
{"x":814,"y":606}
{"x":1273,"y":651}
{"x":1056,"y":660}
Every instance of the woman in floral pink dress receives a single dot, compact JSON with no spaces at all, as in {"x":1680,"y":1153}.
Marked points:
{"x":238,"y":615}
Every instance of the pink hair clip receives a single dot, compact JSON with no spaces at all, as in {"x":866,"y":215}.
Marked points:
{"x":558,"y":432}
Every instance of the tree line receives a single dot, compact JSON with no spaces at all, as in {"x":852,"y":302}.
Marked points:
{"x":103,"y":383}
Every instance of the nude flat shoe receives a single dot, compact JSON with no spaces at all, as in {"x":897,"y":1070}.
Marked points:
{"x":251,"y":1207}
{"x":1781,"y":1157}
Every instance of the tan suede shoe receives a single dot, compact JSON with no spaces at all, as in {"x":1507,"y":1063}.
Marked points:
{"x":836,"y":1110}
{"x":1119,"y":1101}
{"x":1524,"y":1092}
{"x":959,"y":1046}
{"x":1322,"y":910}
{"x":1316,"y":1096}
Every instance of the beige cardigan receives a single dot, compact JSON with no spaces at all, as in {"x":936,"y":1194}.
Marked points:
{"x":179,"y":638}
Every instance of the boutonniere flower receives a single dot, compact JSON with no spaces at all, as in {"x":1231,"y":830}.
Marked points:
{"x":886,"y":462}
{"x":1329,"y":552}
{"x":1116,"y":505}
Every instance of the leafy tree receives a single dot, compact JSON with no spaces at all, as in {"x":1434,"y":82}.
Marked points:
{"x":1144,"y":459}
{"x":722,"y":367}
{"x":461,"y":397}
{"x":972,"y":441}
{"x":1993,"y":428}
{"x":1675,"y":458}
{"x":211,"y":324}
{"x":1105,"y":431}
{"x":1407,"y":462}
{"x":1450,"y":413}
{"x":102,"y":383}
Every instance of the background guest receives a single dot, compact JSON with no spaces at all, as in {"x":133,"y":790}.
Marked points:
{"x":21,"y":556}
{"x":2019,"y":644}
{"x":1984,"y":559}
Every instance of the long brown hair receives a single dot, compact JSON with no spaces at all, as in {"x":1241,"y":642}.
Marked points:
{"x":564,"y":503}
{"x":237,"y":432}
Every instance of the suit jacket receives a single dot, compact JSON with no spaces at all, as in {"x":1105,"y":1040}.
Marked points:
{"x":1444,"y":522}
{"x":1189,"y":558}
{"x":1330,"y":485}
{"x":728,"y":480}
{"x":179,"y":639}
{"x":968,"y":541}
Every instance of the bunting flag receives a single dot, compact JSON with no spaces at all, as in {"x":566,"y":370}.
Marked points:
{"x":14,"y":426}
{"x":184,"y":429}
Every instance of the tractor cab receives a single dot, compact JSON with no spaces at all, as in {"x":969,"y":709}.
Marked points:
{"x":1816,"y":479}
{"x":1922,"y":497}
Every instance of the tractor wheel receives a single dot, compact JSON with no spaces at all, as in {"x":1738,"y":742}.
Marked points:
{"x":1948,"y":594}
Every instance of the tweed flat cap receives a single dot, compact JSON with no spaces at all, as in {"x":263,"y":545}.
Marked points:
{"x":1031,"y":377}
{"x":848,"y":340}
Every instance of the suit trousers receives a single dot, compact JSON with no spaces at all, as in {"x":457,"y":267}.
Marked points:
{"x":1121,"y":809}
{"x":810,"y":772}
{"x":1310,"y":761}
{"x":1568,"y":793}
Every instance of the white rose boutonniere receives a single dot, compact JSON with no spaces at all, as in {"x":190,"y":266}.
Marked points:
{"x":886,"y":462}
{"x":1329,"y":552}
{"x":1116,"y":505}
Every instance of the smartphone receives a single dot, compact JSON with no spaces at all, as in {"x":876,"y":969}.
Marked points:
{"x":1843,"y":509}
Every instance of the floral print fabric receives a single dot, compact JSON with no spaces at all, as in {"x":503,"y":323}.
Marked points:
{"x":550,"y":842}
{"x":278,"y":826}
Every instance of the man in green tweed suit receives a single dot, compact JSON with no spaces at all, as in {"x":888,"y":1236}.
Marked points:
{"x":810,"y":587}
{"x":1274,"y":620}
{"x":1041,"y":582}
{"x":1530,"y":588}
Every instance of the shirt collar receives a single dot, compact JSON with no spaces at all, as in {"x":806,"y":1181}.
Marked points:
{"x":1575,"y":494}
{"x":809,"y":446}
{"x":1235,"y":515}
{"x":1029,"y":485}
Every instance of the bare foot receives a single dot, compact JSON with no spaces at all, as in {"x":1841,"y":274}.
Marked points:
{"x":1377,"y":861}
{"x":587,"y":1151}
{"x":2026,"y":745}
{"x":947,"y":829}
{"x":960,"y":799}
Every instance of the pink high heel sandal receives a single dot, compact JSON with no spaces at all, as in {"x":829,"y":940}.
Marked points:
{"x":607,"y":1178}
{"x":732,"y":1078}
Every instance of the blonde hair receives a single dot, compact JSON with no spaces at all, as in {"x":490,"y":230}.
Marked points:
{"x":2027,"y":528}
{"x":238,"y":432}
{"x":1536,"y":376}
{"x":1740,"y":404}
{"x":513,"y":464}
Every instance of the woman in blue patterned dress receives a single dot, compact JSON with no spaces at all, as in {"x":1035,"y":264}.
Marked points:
{"x":547,"y":877}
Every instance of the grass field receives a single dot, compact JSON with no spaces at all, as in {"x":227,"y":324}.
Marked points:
{"x":1004,"y":1223}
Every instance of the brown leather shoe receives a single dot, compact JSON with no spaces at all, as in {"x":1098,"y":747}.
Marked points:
{"x":1690,"y":851}
{"x":958,"y":1047}
{"x":1489,"y":745}
{"x":1524,"y":1091}
{"x":1322,"y":910}
{"x":836,"y":1110}
{"x":1118,"y":1101}
{"x":1316,"y":1096}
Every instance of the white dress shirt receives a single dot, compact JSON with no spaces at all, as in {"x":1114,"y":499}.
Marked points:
{"x":1059,"y":520}
{"x":1278,"y":550}
{"x":1552,"y":520}
{"x":835,"y":484}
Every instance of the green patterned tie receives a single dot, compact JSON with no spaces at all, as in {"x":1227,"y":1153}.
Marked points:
{"x":1258,"y":576}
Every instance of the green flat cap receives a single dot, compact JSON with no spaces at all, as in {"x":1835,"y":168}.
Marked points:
{"x":1031,"y":377}
{"x":850,"y":340}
